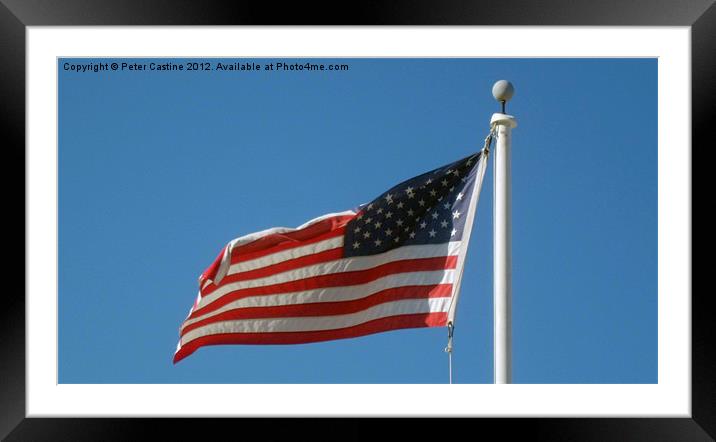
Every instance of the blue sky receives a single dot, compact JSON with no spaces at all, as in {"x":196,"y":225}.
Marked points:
{"x":158,"y":170}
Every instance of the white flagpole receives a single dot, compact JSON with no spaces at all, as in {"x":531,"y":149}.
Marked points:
{"x":502,"y":219}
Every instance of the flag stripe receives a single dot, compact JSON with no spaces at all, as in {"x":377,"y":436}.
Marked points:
{"x":268,"y":238}
{"x":234,"y":282}
{"x":285,"y":252}
{"x":280,"y":267}
{"x":379,"y":325}
{"x":337,"y":294}
{"x":283,"y":267}
{"x":328,"y":308}
{"x":274,"y":325}
{"x":332,"y":280}
{"x":278,"y":238}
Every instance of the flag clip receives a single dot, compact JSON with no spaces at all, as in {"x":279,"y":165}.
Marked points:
{"x":451,"y":329}
{"x":488,"y":138}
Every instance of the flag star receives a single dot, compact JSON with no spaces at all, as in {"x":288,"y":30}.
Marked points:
{"x":440,"y":199}
{"x":421,"y":202}
{"x":429,"y":181}
{"x":433,"y":192}
{"x":412,"y":234}
{"x":456,"y":214}
{"x":408,"y":190}
{"x":366,"y":235}
{"x":432,"y":233}
{"x":459,"y":196}
{"x":400,"y":205}
{"x":444,"y":224}
{"x":444,"y":183}
{"x":456,"y":172}
{"x":423,"y":224}
{"x":469,"y":162}
{"x":388,"y":232}
{"x":378,"y":224}
{"x":454,"y":231}
{"x":378,"y":242}
{"x":399,"y":222}
{"x":389,"y":198}
{"x":449,"y":171}
{"x":435,"y":215}
{"x":411,"y":195}
{"x":396,"y":239}
{"x":379,"y":210}
{"x":356,"y":230}
{"x":368,"y":220}
{"x":446,"y":205}
{"x":463,"y":179}
{"x":356,"y":245}
{"x":452,"y":188}
{"x":370,"y":206}
{"x":360,"y":216}
{"x":407,"y":229}
{"x":389,"y":215}
{"x":410,"y":212}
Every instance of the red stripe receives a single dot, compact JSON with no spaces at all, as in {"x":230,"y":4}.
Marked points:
{"x":210,"y":272}
{"x":328,"y":308}
{"x":288,"y":240}
{"x":237,"y":256}
{"x":291,"y":264}
{"x":305,"y":234}
{"x":438,"y":319}
{"x":335,"y":280}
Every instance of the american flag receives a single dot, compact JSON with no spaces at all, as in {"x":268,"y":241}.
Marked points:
{"x":393,"y":263}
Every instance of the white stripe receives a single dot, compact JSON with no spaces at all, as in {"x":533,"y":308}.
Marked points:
{"x":286,"y":255}
{"x":337,"y":266}
{"x":335,"y":294}
{"x":269,"y":325}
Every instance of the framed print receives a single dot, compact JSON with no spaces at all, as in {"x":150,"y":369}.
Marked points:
{"x":130,"y":138}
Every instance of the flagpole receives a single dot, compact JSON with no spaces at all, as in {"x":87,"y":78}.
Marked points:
{"x":502,"y":235}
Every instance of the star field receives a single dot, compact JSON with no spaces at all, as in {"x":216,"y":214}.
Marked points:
{"x":428,"y":209}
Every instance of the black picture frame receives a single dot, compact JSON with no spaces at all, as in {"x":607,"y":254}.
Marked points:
{"x":16,"y":15}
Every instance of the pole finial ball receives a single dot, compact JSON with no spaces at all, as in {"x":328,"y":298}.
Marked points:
{"x":503,"y":90}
